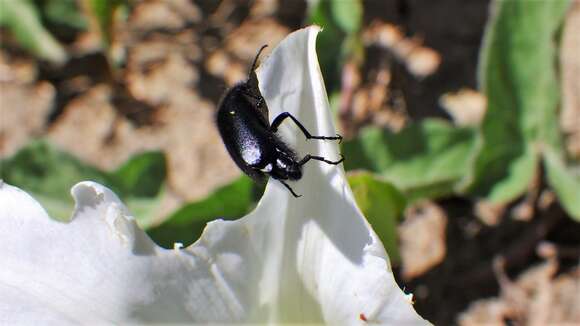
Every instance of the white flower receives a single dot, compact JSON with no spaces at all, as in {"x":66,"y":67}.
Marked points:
{"x":311,"y":259}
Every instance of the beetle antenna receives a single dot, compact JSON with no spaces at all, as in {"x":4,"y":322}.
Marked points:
{"x":256,"y":58}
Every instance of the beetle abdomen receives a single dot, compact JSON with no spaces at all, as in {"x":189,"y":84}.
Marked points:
{"x":246,"y":138}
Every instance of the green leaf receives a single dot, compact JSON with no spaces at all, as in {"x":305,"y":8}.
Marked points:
{"x":329,"y":44}
{"x":383,"y":205}
{"x":423,"y":160}
{"x":65,"y":13}
{"x":49,"y":174}
{"x":347,"y":14}
{"x":339,"y":40}
{"x":187,"y":223}
{"x":565,"y":180}
{"x":518,"y":77}
{"x":562,"y":171}
{"x":22,"y":19}
{"x":140,"y":181}
{"x":142,"y":174}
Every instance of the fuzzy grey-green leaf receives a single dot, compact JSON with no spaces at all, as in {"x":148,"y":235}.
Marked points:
{"x":518,"y":77}
{"x":423,"y":160}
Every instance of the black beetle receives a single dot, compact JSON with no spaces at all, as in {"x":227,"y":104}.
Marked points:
{"x":242,"y":120}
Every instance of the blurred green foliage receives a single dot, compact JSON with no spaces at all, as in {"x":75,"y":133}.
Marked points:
{"x":565,"y":179}
{"x":382,"y":204}
{"x":519,"y":76}
{"x":347,"y":15}
{"x":63,"y":13}
{"x":424,"y":160}
{"x":22,"y":18}
{"x":29,"y":22}
{"x":187,"y":223}
{"x":340,"y":40}
{"x":48,"y":174}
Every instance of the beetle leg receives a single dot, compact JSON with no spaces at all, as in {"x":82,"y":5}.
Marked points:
{"x":309,"y":157}
{"x":284,"y":115}
{"x":289,"y":188}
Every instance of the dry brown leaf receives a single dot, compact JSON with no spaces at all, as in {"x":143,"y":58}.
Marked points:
{"x":421,"y":61}
{"x":466,"y":107}
{"x":537,"y":297}
{"x":526,"y":208}
{"x":244,"y":41}
{"x":489,"y":312}
{"x":24,"y":103}
{"x":85,"y":125}
{"x":167,"y":14}
{"x":264,"y":8}
{"x":221,"y":65}
{"x":489,"y":213}
{"x":394,"y":120}
{"x":546,"y":199}
{"x":217,"y":63}
{"x":23,"y":114}
{"x":566,"y":298}
{"x":360,"y":107}
{"x":384,"y":34}
{"x":232,"y":61}
{"x":422,"y":238}
{"x":160,"y":83}
{"x":16,"y":70}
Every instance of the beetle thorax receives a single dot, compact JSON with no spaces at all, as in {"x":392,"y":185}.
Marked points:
{"x":285,"y":167}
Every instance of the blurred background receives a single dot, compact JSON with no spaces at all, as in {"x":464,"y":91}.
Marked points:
{"x":461,"y":122}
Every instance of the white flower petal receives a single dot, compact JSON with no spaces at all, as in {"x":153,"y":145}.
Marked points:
{"x":331,"y":256}
{"x":307,"y":259}
{"x":101,"y":267}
